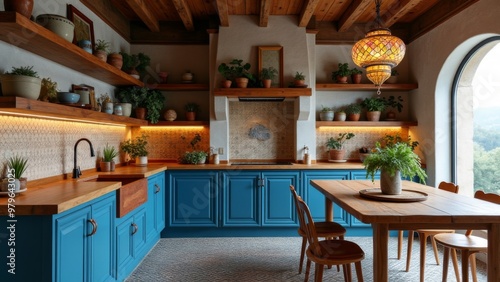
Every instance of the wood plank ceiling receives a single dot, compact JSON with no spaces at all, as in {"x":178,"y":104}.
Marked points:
{"x":335,"y":21}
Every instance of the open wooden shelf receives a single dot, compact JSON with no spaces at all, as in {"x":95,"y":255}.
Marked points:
{"x":19,"y":31}
{"x":263,"y":92}
{"x":39,"y":109}
{"x":367,"y":123}
{"x":181,"y":87}
{"x":364,"y":87}
{"x":180,"y":123}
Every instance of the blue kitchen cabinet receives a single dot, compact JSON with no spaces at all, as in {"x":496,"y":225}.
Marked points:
{"x":255,"y":198}
{"x":193,"y":198}
{"x":155,"y":207}
{"x":316,"y":200}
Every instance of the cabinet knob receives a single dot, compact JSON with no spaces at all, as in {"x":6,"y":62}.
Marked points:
{"x":94,"y":226}
{"x":157,"y":188}
{"x":136,"y":228}
{"x":260,"y":182}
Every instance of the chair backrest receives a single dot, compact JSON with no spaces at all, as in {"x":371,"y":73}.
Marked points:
{"x":306,"y":222}
{"x":490,"y":197}
{"x":448,"y":186}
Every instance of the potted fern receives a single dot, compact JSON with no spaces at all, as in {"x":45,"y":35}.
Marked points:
{"x":137,"y":149}
{"x":22,"y":82}
{"x":267,"y":75}
{"x":353,"y":112}
{"x":101,"y":49}
{"x":335,"y":146}
{"x":393,"y":161}
{"x":299,"y":80}
{"x":109,"y":153}
{"x":341,"y":74}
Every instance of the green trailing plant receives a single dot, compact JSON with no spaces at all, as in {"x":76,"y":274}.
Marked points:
{"x":373,"y":104}
{"x":26,"y":71}
{"x":342,"y":70}
{"x":268,"y":73}
{"x":398,"y":157}
{"x":109,"y":153}
{"x":102,"y":45}
{"x":136,"y":147}
{"x":192,"y":107}
{"x":394,"y":102}
{"x":299,"y":76}
{"x":354,"y":108}
{"x":338,"y":142}
{"x":154,"y":103}
{"x":19,"y":165}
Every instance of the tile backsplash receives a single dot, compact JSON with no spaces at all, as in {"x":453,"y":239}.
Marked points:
{"x":49,"y":144}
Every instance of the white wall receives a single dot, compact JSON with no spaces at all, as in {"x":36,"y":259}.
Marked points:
{"x":434,"y":61}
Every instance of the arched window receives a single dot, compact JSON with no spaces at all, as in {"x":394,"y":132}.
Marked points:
{"x":476,"y":119}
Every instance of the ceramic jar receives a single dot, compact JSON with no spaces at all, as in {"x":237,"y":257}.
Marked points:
{"x":84,"y":94}
{"x":127,"y":109}
{"x":108,"y":107}
{"x":187,"y":77}
{"x":118,"y":110}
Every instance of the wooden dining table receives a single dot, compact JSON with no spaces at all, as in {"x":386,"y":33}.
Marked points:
{"x":438,"y":210}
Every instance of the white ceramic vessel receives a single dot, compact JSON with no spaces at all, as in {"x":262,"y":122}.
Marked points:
{"x":57,"y":24}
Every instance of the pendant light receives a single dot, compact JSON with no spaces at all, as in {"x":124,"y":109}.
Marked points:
{"x":378,"y":52}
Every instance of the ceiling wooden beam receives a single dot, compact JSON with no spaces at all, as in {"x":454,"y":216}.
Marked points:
{"x":105,"y":10}
{"x":353,"y":12}
{"x":141,"y":9}
{"x":307,"y":12}
{"x":265,"y":10}
{"x":442,"y":11}
{"x":397,"y":11}
{"x":223,"y":12}
{"x":185,"y":14}
{"x":328,"y":34}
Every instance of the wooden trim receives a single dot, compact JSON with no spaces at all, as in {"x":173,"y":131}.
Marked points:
{"x":364,"y":87}
{"x":263,"y":92}
{"x":367,"y":123}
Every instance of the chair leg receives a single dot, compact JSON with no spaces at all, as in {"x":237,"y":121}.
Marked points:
{"x":423,"y":247}
{"x":359,"y":271}
{"x":435,"y":248}
{"x":446,"y":261}
{"x":408,"y":253}
{"x":302,"y":251}
{"x":472,"y":259}
{"x":465,"y":265}
{"x":400,"y":243}
{"x":344,"y":270}
{"x":318,"y":276}
{"x":454,"y":259}
{"x":349,"y":273}
{"x":308,"y":268}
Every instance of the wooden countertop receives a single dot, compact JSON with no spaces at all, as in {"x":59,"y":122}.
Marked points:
{"x":319,"y":165}
{"x":59,"y":196}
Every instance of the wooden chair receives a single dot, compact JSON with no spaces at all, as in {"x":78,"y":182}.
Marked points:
{"x":324,"y":229}
{"x":423,"y":234}
{"x":467,"y":244}
{"x":327,"y":252}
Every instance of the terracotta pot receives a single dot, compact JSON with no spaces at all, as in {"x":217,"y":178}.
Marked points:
{"x":299,"y":83}
{"x":241,"y":82}
{"x":356,"y":78}
{"x":101,"y":55}
{"x":190,"y":116}
{"x":105,"y":166}
{"x":116,"y":60}
{"x":226,"y":83}
{"x":140,"y":113}
{"x":353,"y":117}
{"x":336,"y":155}
{"x":341,"y":79}
{"x":390,"y":185}
{"x":373,"y":116}
{"x":23,"y":7}
{"x":267,"y":83}
{"x":339,"y":116}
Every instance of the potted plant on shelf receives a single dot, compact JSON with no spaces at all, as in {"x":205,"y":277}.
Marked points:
{"x":353,"y":112}
{"x":299,"y":79}
{"x":115,"y":59}
{"x":394,"y":77}
{"x":16,"y":167}
{"x":341,"y":74}
{"x":340,"y":115}
{"x":242,"y":76}
{"x":394,"y":103}
{"x":136,"y":96}
{"x":196,"y":156}
{"x":101,"y":49}
{"x":267,"y":75}
{"x":374,"y":106}
{"x":335,"y":146}
{"x":136,"y":149}
{"x":191,"y":110}
{"x":393,"y":161}
{"x":109,"y":153}
{"x":135,"y":64}
{"x":22,"y":82}
{"x":356,"y":75}
{"x":326,"y":114}
{"x":228,"y":72}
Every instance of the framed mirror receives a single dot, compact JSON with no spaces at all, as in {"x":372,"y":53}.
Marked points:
{"x":272,"y":56}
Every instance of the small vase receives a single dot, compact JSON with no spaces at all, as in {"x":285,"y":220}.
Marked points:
{"x":118,"y":110}
{"x":108,"y":107}
{"x":140,"y":113}
{"x":141,"y":161}
{"x":126,"y":109}
{"x":105,"y":166}
{"x":390,"y":185}
{"x":23,"y":7}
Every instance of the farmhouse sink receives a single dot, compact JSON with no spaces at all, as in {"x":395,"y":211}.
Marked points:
{"x":132,"y":194}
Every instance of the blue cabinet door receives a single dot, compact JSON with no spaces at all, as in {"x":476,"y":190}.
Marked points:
{"x":316,"y":200}
{"x":103,"y":241}
{"x":241,"y":194}
{"x":72,"y":257}
{"x":278,"y":204}
{"x":155,"y":206}
{"x":193,"y":198}
{"x":124,"y":247}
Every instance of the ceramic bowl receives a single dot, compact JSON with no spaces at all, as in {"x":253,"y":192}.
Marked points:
{"x":68,"y":97}
{"x":57,"y":24}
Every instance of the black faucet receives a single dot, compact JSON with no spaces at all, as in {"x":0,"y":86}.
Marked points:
{"x":76,"y":170}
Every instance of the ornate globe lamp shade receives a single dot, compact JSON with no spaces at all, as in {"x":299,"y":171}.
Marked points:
{"x":378,"y":52}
